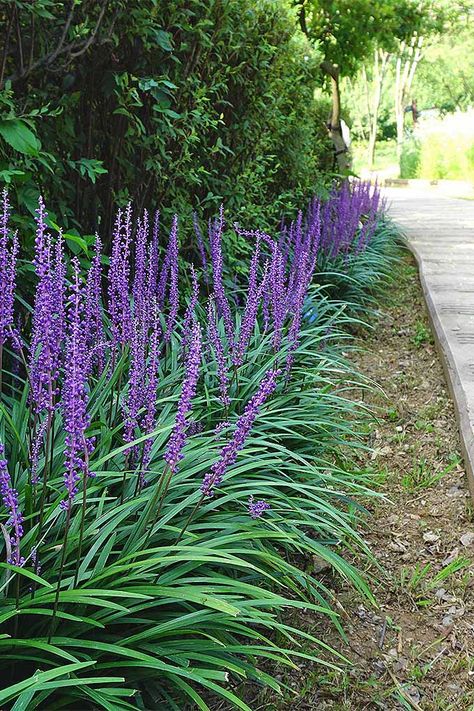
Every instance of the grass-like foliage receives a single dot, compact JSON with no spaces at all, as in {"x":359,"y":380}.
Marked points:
{"x":171,"y":449}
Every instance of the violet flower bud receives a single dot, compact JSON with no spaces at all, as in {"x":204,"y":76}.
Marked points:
{"x":256,"y":509}
{"x":177,"y":440}
{"x":229,"y":451}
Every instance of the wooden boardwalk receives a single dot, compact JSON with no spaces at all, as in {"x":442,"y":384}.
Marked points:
{"x":440,"y":232}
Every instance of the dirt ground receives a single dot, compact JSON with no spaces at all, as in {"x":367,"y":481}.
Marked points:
{"x":415,"y":650}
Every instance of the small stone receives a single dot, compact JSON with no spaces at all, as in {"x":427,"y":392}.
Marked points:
{"x":400,"y":665}
{"x":467,"y":539}
{"x":430,"y":537}
{"x":413,"y":693}
{"x":452,"y":556}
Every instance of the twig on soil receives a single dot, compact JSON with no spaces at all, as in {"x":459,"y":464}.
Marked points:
{"x":403,"y":693}
{"x":382,"y":634}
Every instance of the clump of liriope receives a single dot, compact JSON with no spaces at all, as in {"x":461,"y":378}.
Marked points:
{"x":164,"y":453}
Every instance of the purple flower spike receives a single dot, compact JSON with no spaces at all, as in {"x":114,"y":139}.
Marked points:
{"x":10,"y":501}
{"x":48,"y":316}
{"x":119,"y":279}
{"x":8,"y":255}
{"x":229,"y":451}
{"x":254,"y":294}
{"x":140,"y":279}
{"x":36,"y":449}
{"x":189,"y":314}
{"x":216,"y":345}
{"x":177,"y":440}
{"x":223,"y":308}
{"x":75,"y":395}
{"x":134,"y":400}
{"x":257,"y":508}
{"x":174,"y":293}
{"x":150,"y":388}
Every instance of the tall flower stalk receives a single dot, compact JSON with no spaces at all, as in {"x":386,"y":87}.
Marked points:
{"x":9,"y":497}
{"x":229,"y":451}
{"x":216,"y":344}
{"x":177,"y":440}
{"x":8,"y":256}
{"x":75,"y":394}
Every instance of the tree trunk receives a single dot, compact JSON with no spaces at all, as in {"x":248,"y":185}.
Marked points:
{"x":342,"y":154}
{"x":407,"y":62}
{"x":380,"y":67}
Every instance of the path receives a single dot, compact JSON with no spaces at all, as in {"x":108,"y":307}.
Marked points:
{"x":440,"y":231}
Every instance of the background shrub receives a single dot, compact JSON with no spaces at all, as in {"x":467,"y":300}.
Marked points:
{"x":442,"y":149}
{"x":175,"y":103}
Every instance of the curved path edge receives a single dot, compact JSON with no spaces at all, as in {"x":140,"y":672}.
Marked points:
{"x":439,"y":231}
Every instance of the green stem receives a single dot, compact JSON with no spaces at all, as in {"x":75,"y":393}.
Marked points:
{"x":112,"y":370}
{"x":190,"y":518}
{"x":154,"y":501}
{"x":83,"y":512}
{"x":61,"y":570}
{"x":47,"y":463}
{"x":124,"y":478}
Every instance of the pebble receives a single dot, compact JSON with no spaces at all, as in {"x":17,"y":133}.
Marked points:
{"x":467,"y":539}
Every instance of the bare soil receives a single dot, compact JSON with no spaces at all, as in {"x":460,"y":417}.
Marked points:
{"x":415,"y":649}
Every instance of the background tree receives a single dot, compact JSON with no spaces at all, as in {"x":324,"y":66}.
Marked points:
{"x":348,"y":32}
{"x":373,"y":88}
{"x":407,"y":60}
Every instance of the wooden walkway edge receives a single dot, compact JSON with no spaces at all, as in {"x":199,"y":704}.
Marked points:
{"x":439,"y":230}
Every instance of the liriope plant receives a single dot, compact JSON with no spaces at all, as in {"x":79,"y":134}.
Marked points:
{"x":166,"y":458}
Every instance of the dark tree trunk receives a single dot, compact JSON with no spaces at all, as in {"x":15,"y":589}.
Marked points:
{"x":334,"y":124}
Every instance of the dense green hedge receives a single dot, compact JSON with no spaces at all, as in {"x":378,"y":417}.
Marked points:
{"x":183,"y":103}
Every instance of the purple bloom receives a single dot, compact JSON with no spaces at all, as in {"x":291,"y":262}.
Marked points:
{"x":223,"y":308}
{"x":254,"y":295}
{"x":173,"y":265}
{"x":195,"y":428}
{"x":189,"y":314}
{"x":75,"y":395}
{"x":8,"y":255}
{"x":149,"y":390}
{"x":220,"y":428}
{"x":294,"y":332}
{"x":216,"y":344}
{"x":229,"y":451}
{"x":10,"y":501}
{"x":135,"y":395}
{"x":140,"y":280}
{"x":35,"y":450}
{"x":277,"y":295}
{"x":257,"y":508}
{"x":352,"y":205}
{"x":48,"y":316}
{"x":178,"y":436}
{"x":119,"y":279}
{"x":59,"y":286}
